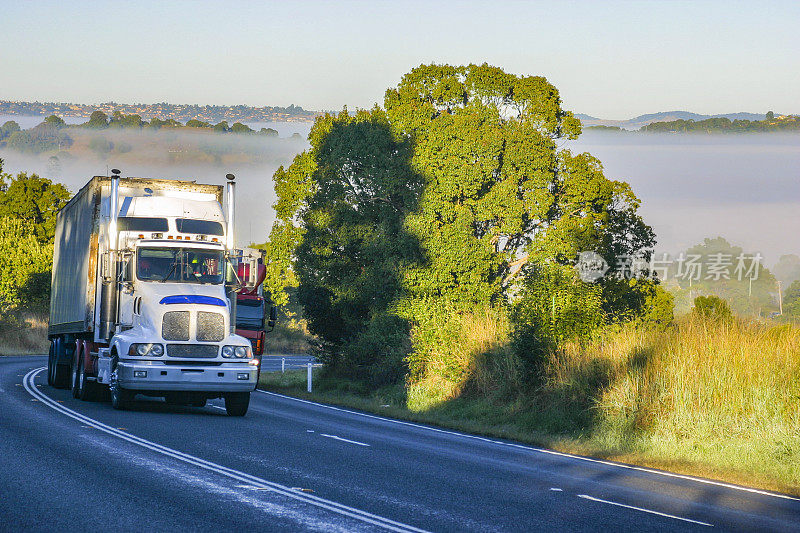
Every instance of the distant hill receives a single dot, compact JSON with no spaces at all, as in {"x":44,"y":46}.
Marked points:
{"x":664,"y":116}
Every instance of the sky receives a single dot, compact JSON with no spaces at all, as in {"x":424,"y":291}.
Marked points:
{"x":608,"y":59}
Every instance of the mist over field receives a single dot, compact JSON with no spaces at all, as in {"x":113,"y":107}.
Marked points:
{"x":186,"y":153}
{"x":692,"y":186}
{"x":744,"y":187}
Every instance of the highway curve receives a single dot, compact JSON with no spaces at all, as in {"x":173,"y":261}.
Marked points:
{"x":291,"y":465}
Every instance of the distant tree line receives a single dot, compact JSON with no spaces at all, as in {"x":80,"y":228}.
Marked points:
{"x":173,"y":111}
{"x":99,"y":120}
{"x":726,"y":125}
{"x":53,"y":133}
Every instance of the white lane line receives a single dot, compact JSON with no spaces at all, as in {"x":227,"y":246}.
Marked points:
{"x":218,"y":407}
{"x":556,"y":489}
{"x":344,"y":440}
{"x":587,"y":497}
{"x":310,"y":499}
{"x":540,"y":450}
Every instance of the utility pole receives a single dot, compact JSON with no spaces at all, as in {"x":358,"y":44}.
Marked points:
{"x":780,"y":299}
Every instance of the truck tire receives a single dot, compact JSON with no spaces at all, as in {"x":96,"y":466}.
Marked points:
{"x":120,"y":398}
{"x":74,"y":376}
{"x":236,"y":403}
{"x":87,"y":390}
{"x":61,"y":373}
{"x":50,"y":364}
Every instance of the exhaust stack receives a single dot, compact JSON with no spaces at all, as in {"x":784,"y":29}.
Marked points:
{"x":108,"y":302}
{"x":230,"y":191}
{"x":230,"y":243}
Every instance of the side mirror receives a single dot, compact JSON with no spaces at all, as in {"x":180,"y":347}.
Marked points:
{"x":273,"y":316}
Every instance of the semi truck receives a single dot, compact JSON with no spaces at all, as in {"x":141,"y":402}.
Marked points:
{"x":144,"y":293}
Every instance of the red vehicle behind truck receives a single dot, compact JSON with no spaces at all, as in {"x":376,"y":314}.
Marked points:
{"x":252,"y":319}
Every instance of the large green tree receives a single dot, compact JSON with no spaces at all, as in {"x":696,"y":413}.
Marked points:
{"x":436,"y":200}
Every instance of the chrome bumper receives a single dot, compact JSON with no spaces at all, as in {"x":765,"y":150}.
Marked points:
{"x":153,"y":376}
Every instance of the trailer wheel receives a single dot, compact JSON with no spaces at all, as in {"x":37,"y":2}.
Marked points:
{"x":236,"y":403}
{"x":120,"y":398}
{"x":87,"y":390}
{"x":76,"y":362}
{"x":61,"y":373}
{"x":50,"y":365}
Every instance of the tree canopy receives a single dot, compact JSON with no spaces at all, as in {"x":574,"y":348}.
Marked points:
{"x":34,"y":200}
{"x":436,"y":199}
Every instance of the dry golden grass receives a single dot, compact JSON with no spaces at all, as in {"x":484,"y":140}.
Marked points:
{"x":24,"y":336}
{"x":724,"y":396}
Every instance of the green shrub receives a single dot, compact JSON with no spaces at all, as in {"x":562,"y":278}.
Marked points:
{"x":24,"y":268}
{"x":553,"y":306}
{"x":712,"y":307}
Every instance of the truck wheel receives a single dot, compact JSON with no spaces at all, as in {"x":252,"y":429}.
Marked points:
{"x":76,"y":363}
{"x":199,"y":403}
{"x":50,"y":364}
{"x":236,"y":403}
{"x":60,"y":374}
{"x":87,"y":390}
{"x":120,"y":398}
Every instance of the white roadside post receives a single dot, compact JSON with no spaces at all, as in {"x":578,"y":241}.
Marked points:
{"x":309,"y":377}
{"x":283,"y":365}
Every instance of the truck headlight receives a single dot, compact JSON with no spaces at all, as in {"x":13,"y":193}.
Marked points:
{"x":239,"y":352}
{"x":146,"y":349}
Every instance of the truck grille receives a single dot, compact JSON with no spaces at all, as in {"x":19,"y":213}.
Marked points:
{"x":210,"y":327}
{"x":192,"y":350}
{"x":175,"y":326}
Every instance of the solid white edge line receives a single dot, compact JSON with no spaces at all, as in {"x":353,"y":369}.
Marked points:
{"x":343,"y":440}
{"x":311,"y":499}
{"x":587,"y":497}
{"x":541,"y":450}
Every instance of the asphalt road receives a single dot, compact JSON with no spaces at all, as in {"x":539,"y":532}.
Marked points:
{"x":291,"y":465}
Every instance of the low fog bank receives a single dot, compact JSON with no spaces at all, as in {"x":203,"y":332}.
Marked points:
{"x":199,"y":155}
{"x":744,"y":187}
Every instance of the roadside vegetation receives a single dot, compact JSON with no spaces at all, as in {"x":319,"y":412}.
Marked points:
{"x":28,"y":207}
{"x":438,"y":247}
{"x":709,"y":396}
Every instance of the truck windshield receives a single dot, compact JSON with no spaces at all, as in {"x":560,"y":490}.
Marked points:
{"x":180,"y":265}
{"x":249,"y":314}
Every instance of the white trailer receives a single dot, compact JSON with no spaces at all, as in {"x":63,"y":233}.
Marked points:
{"x":143,"y":295}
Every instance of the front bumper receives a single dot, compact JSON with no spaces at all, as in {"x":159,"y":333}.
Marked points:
{"x":156,"y":376}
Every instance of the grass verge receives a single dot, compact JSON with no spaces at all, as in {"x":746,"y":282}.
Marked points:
{"x":25,"y":335}
{"x":715,"y":400}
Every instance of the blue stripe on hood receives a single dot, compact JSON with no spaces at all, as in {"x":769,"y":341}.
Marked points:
{"x":192,"y":299}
